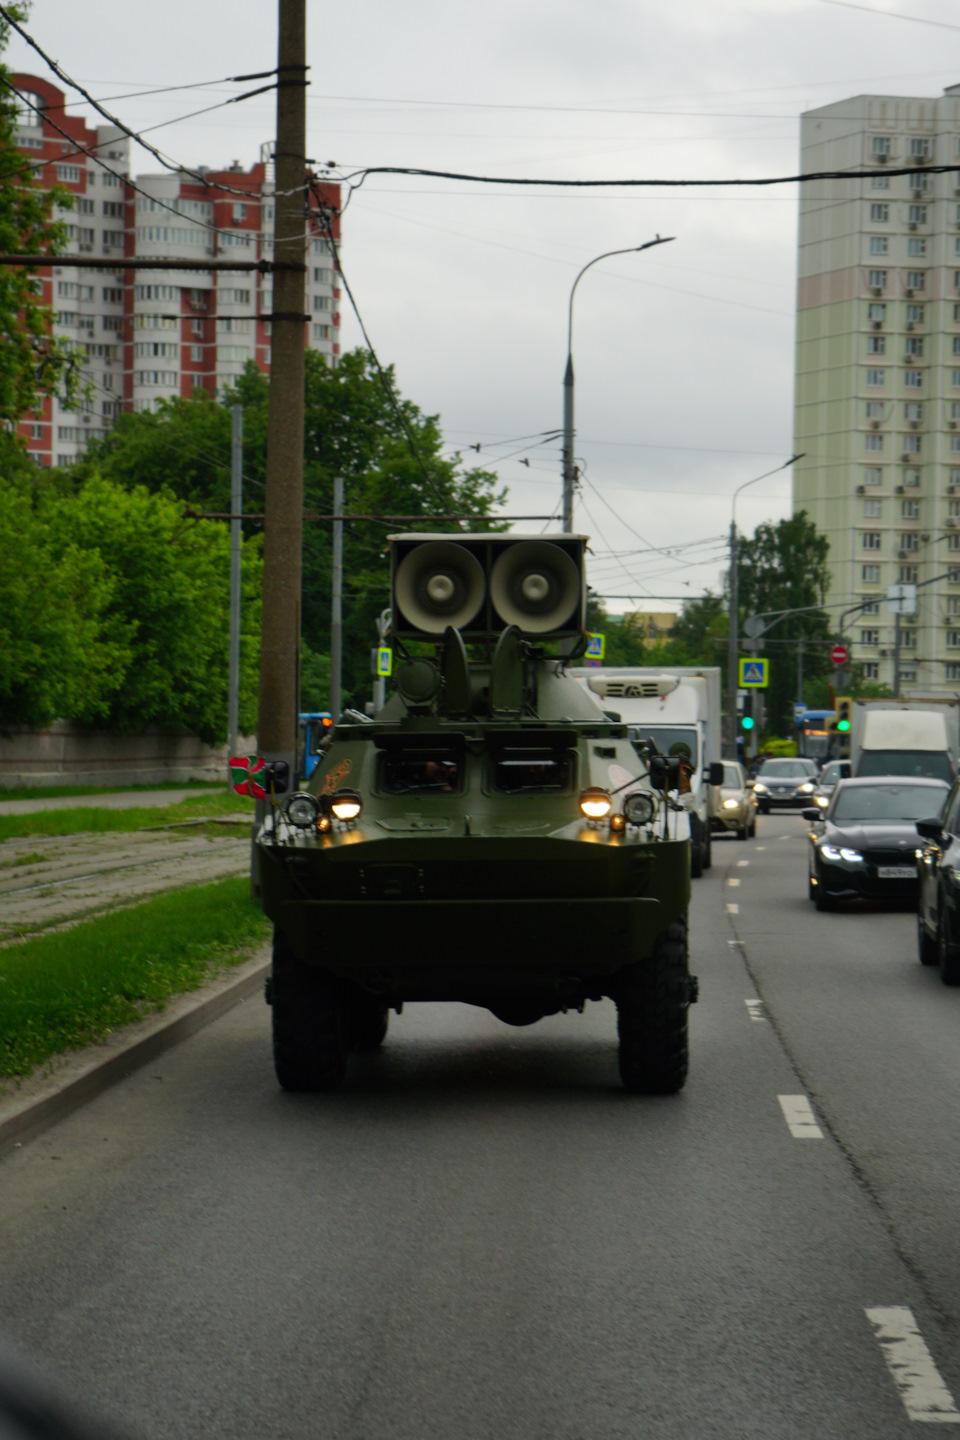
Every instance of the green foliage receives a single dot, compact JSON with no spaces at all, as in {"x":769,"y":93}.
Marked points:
{"x":32,"y":363}
{"x":698,"y":637}
{"x":774,"y":746}
{"x":129,"y":625}
{"x":314,"y":679}
{"x":94,"y":819}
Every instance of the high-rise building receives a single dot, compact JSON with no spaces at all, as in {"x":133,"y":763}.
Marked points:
{"x":144,"y":335}
{"x":877,"y":406}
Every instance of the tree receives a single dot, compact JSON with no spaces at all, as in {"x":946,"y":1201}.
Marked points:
{"x":784,"y":568}
{"x":32,"y":362}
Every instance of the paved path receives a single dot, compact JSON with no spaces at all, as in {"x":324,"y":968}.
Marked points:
{"x":118,"y":800}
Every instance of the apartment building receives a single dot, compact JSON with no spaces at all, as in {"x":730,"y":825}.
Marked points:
{"x":877,"y":403}
{"x":146,"y":335}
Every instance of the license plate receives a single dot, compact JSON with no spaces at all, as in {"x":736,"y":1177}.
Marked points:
{"x":897,"y":872}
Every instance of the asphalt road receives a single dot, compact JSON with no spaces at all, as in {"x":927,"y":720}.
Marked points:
{"x":484,"y":1238}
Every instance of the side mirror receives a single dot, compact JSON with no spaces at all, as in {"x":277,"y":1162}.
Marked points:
{"x":664,"y":771}
{"x":812,"y":815}
{"x":716,"y":773}
{"x":930,"y":829}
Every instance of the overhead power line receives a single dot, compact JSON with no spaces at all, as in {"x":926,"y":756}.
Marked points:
{"x":891,"y":14}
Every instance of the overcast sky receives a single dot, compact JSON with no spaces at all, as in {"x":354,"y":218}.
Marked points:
{"x":683,"y":354}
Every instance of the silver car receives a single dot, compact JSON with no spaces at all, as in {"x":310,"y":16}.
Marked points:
{"x":785,"y":783}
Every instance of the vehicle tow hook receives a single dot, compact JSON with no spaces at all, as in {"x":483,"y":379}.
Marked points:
{"x":268,"y":989}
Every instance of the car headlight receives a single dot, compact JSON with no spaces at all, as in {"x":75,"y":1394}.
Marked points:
{"x":346,"y":804}
{"x":759,"y":786}
{"x":595,"y":803}
{"x":840,"y":852}
{"x":731,"y":804}
{"x":807,"y":789}
{"x":822,"y":800}
{"x":302,"y":810}
{"x":638,"y":807}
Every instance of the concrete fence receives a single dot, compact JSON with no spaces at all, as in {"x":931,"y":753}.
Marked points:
{"x":69,"y":754}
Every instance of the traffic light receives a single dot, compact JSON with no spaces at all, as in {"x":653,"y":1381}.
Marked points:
{"x":747,"y":722}
{"x":844,"y":715}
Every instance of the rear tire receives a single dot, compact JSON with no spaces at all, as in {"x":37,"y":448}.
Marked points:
{"x":367,"y":1022}
{"x":309,"y":1023}
{"x":926,"y":947}
{"x":653,"y":998}
{"x":742,"y":832}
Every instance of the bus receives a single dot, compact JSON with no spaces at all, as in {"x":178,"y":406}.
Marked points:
{"x":813,"y":734}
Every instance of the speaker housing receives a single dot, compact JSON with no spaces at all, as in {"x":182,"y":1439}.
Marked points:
{"x":536,"y":582}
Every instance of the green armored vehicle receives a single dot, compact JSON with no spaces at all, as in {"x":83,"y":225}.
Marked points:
{"x":490,"y":837}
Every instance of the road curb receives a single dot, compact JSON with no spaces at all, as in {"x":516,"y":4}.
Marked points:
{"x":42,"y":1102}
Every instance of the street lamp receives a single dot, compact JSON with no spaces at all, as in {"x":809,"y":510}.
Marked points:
{"x":569,"y":468}
{"x":733,"y":643}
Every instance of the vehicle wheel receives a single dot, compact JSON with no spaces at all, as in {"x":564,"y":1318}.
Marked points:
{"x":821,"y":899}
{"x":309,"y":1023}
{"x":653,"y":998}
{"x":927,"y":950}
{"x":696,"y":850}
{"x":367,"y":1022}
{"x":753,"y":828}
{"x":708,"y":851}
{"x":947,"y":956}
{"x":742,"y":832}
{"x":764,"y":809}
{"x":811,"y":888}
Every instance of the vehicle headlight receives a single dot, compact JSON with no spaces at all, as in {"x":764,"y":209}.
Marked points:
{"x":346,"y":804}
{"x":808,"y":788}
{"x":638,"y":807}
{"x":731,"y":804}
{"x":595,"y":803}
{"x":840,"y":852}
{"x":823,"y":800}
{"x":759,"y":786}
{"x":302,"y":810}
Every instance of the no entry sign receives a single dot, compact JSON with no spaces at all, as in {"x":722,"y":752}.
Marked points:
{"x":839,"y":655}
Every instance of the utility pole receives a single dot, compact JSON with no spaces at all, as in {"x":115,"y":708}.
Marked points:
{"x":336,"y":603}
{"x":236,"y":510}
{"x":283,"y":509}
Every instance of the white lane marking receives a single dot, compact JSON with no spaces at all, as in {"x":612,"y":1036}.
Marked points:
{"x":755,"y":1008}
{"x":801,"y":1121}
{"x":921,"y":1387}
{"x":737,"y":944}
{"x":784,"y":837}
{"x":733,"y":880}
{"x":759,"y":847}
{"x":743,"y":862}
{"x":733,"y":909}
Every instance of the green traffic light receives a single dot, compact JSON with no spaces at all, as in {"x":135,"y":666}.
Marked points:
{"x":747,"y":722}
{"x":843,"y":724}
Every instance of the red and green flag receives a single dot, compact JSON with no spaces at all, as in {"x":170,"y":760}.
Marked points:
{"x":244,"y":770}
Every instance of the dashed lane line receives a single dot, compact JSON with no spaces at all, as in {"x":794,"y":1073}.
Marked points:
{"x":733,"y":909}
{"x":801,"y":1121}
{"x":733,"y":880}
{"x":741,"y":863}
{"x":754,"y":1008}
{"x":920,"y":1385}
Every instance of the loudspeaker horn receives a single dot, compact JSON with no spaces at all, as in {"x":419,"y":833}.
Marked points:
{"x":536,"y":586}
{"x":439,"y":584}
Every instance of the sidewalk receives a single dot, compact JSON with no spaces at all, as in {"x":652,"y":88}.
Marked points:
{"x":118,"y":800}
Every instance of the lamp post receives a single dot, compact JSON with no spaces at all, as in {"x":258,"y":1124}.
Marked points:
{"x":569,"y":468}
{"x":733,"y":643}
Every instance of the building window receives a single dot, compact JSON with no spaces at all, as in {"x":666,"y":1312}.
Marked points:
{"x":916,"y":279}
{"x":156,"y":349}
{"x":870,"y":574}
{"x":912,"y":444}
{"x":228,"y":326}
{"x":877,"y":279}
{"x":913,"y":410}
{"x":322,"y":275}
{"x":232,"y":296}
{"x":875,"y":409}
{"x":907,"y":540}
{"x":113,"y":322}
{"x":879,"y":145}
{"x":239,"y":212}
{"x":910,"y":509}
{"x":69,"y":174}
{"x":917,"y":214}
{"x":911,"y":478}
{"x":955,"y":379}
{"x":953,"y":604}
{"x":869,"y":637}
{"x":115,"y":209}
{"x":870,"y":605}
{"x":917,"y":245}
{"x":908,"y":574}
{"x":919,"y":149}
{"x":956,"y":314}
{"x":321,"y":332}
{"x":879,"y":182}
{"x":953,"y":639}
{"x":873,"y":441}
{"x":876,"y":344}
{"x":321,"y":302}
{"x":953,"y":542}
{"x":85,"y":206}
{"x":913,"y":380}
{"x":908,"y":674}
{"x":915,"y":314}
{"x":877,"y":310}
{"x":953,"y":670}
{"x":196,"y":327}
{"x":872,"y":509}
{"x":112,"y":296}
{"x":876,"y":379}
{"x":879,"y":213}
{"x":879,"y":244}
{"x":154,"y":292}
{"x":196,"y":352}
{"x":913,"y":345}
{"x":871,"y":670}
{"x":870,"y":540}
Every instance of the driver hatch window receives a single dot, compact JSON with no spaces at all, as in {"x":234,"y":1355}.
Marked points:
{"x":435,"y":771}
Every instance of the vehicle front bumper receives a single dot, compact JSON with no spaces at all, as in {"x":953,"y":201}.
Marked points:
{"x":861,"y":882}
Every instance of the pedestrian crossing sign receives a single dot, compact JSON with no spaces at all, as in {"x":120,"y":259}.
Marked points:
{"x":384,"y":661}
{"x":596,"y":645}
{"x":755,"y":673}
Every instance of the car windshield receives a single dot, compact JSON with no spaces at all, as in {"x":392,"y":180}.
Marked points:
{"x":787,"y":769}
{"x":665,"y":737}
{"x":731,"y":778}
{"x":869,"y":803}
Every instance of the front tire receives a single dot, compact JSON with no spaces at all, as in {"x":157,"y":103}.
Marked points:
{"x":653,"y":998}
{"x":947,"y":952}
{"x":927,"y":951}
{"x":821,"y":899}
{"x":708,"y":850}
{"x":309,"y":1023}
{"x":367,"y":1022}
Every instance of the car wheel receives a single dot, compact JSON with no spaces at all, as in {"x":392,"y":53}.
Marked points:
{"x":947,"y":956}
{"x":309,"y":1023}
{"x":764,"y":809}
{"x":653,"y":998}
{"x":821,"y":899}
{"x":696,"y":849}
{"x":927,"y":951}
{"x":742,"y":832}
{"x":753,"y":828}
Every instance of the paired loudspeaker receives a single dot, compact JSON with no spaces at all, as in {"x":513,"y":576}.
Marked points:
{"x":480,"y":584}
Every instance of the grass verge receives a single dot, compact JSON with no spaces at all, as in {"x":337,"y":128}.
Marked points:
{"x":55,"y":792}
{"x":138,"y":817}
{"x":62,"y":992}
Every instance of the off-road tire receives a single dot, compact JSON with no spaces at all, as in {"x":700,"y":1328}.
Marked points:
{"x":948,"y":952}
{"x":696,"y":850}
{"x":653,"y":998}
{"x":764,"y":809}
{"x":927,"y":951}
{"x":309,"y":1023}
{"x":708,"y":850}
{"x":367,"y":1022}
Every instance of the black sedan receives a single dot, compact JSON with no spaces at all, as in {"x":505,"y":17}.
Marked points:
{"x":938,"y":914}
{"x":865,"y":845}
{"x":784,"y":782}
